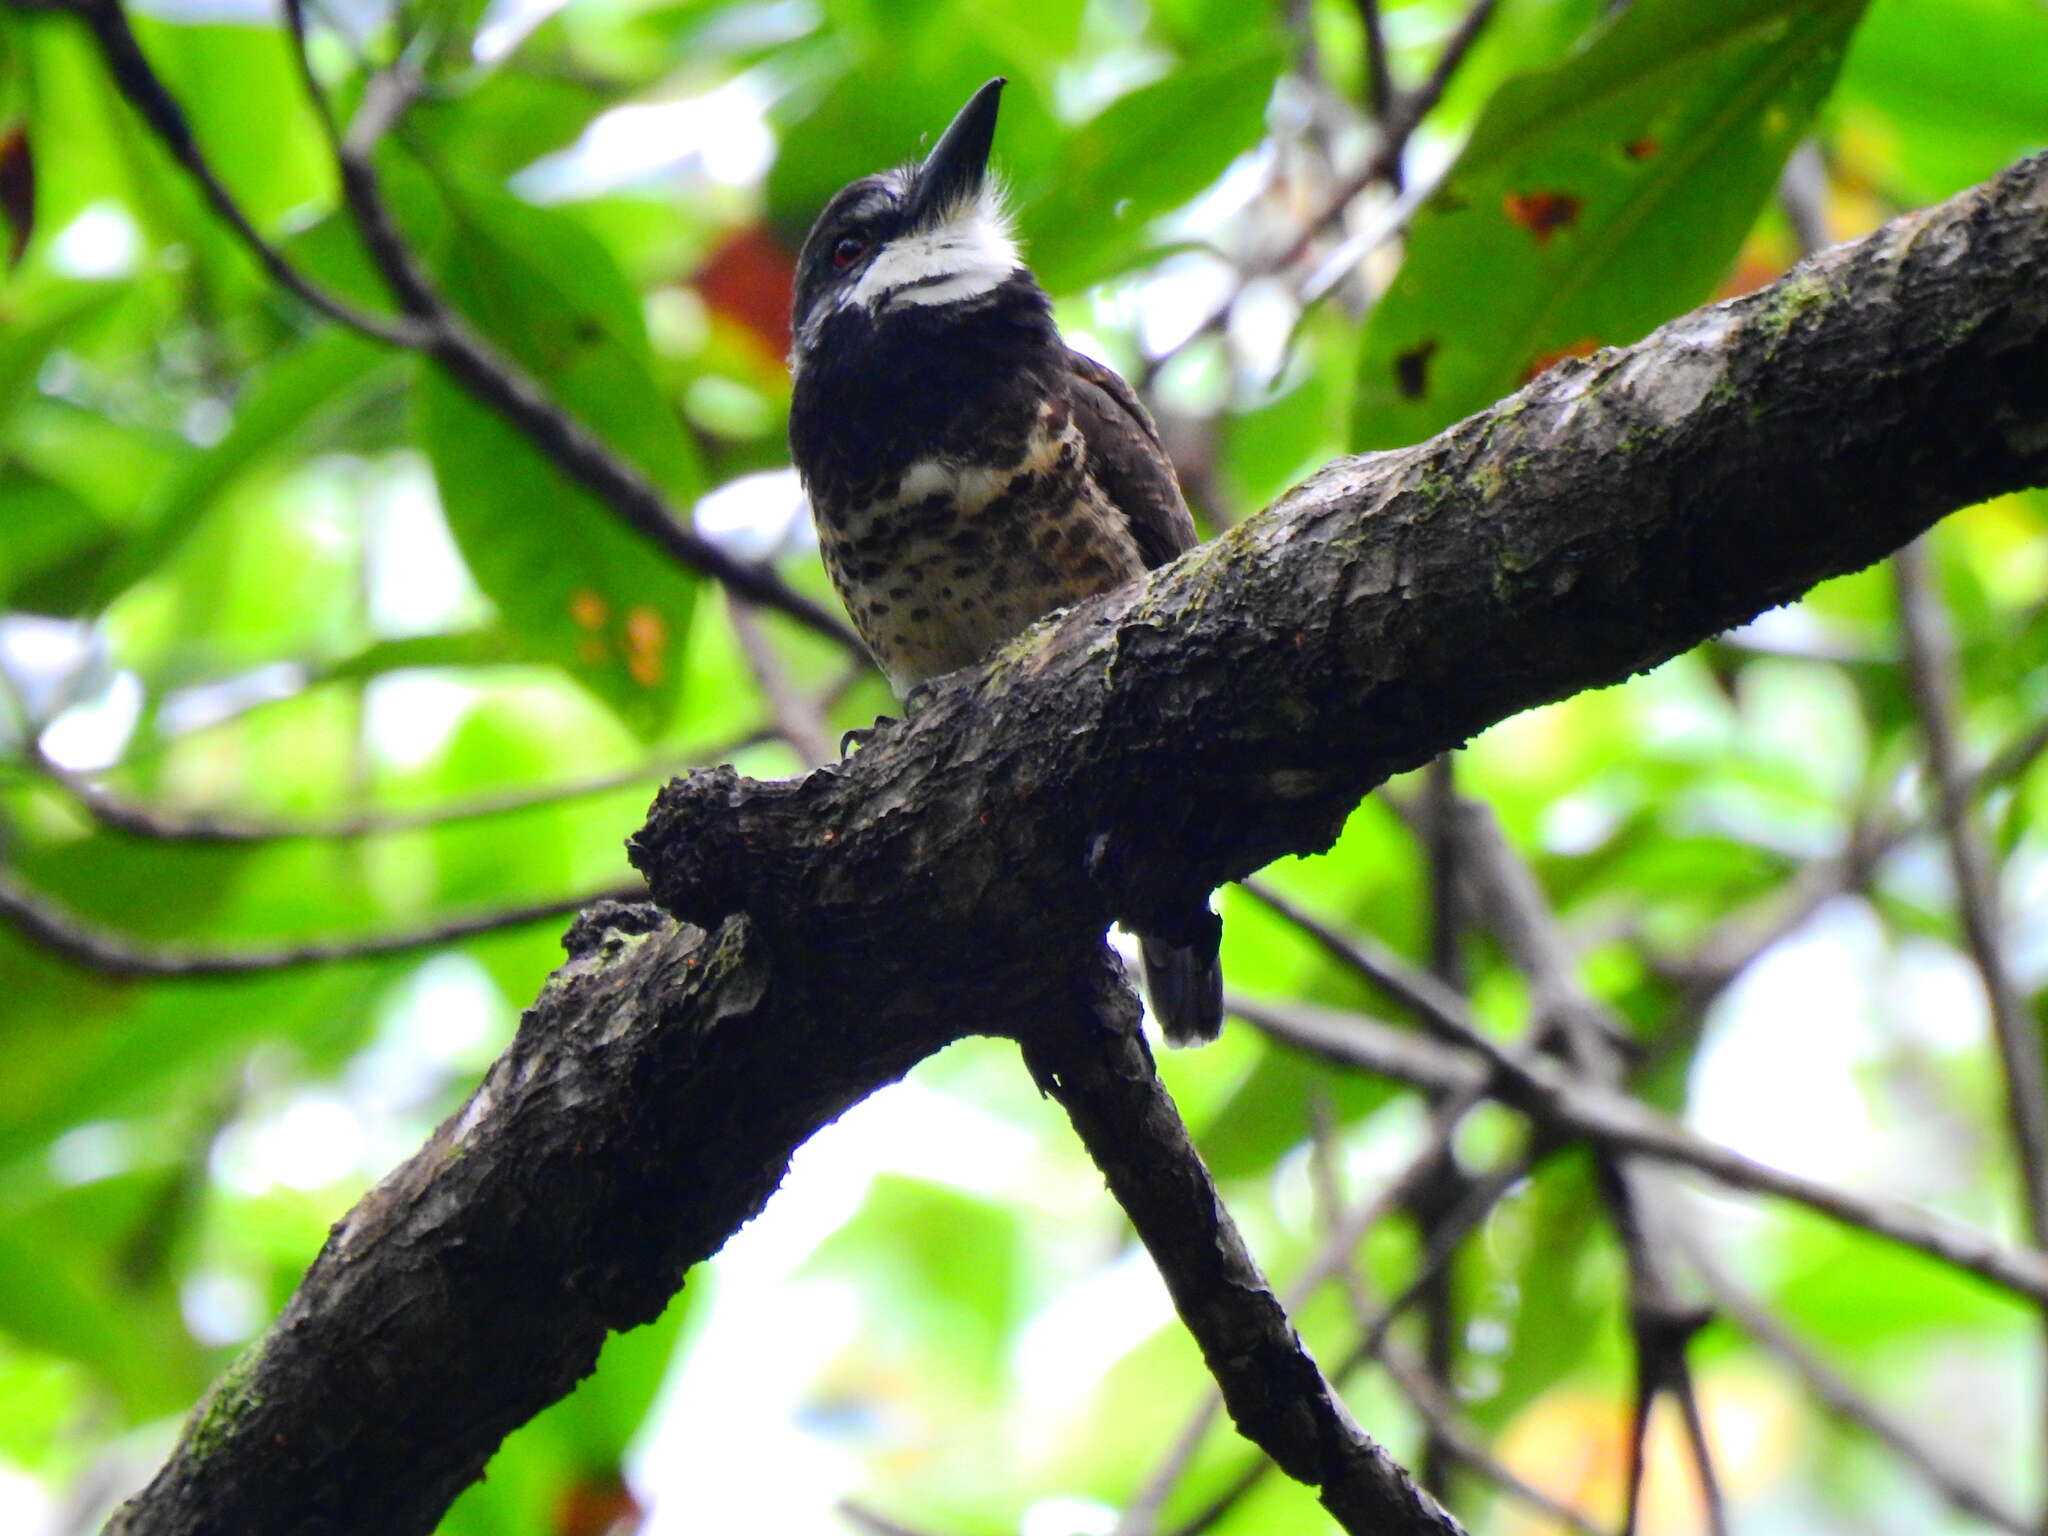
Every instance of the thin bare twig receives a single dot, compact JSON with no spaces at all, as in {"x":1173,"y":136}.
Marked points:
{"x":430,"y":327}
{"x":138,"y":81}
{"x":1383,"y":164}
{"x":1930,"y":672}
{"x":1930,"y":664}
{"x":1575,"y":1109}
{"x":1419,"y":1379}
{"x":63,"y":933}
{"x":1379,"y":76}
{"x":798,"y":719}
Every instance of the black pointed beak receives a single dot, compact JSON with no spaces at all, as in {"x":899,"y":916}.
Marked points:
{"x":958,"y":164}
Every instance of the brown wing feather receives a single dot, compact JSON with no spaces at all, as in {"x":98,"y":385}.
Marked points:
{"x":1128,"y":460}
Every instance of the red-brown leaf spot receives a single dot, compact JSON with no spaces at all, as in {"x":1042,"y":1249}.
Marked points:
{"x":1585,"y":346}
{"x":1543,"y":214}
{"x":17,"y":191}
{"x":748,"y":280}
{"x":1641,"y":149}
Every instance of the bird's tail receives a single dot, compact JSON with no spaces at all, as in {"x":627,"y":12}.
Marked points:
{"x":1185,"y":984}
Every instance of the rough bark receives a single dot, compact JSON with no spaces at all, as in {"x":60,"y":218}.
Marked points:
{"x":945,"y":881}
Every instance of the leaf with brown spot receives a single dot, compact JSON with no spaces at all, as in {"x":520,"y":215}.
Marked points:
{"x":17,"y":191}
{"x":1543,"y":214}
{"x":1411,"y":369}
{"x":1543,"y":362}
{"x":1595,"y":197}
{"x":748,"y":279}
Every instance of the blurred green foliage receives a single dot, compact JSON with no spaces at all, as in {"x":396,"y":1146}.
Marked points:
{"x":261,"y":572}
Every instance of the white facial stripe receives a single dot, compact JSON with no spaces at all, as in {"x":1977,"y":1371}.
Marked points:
{"x":971,"y":253}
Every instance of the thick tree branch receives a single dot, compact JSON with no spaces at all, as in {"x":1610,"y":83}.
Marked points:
{"x":950,"y":877}
{"x":1234,"y":707}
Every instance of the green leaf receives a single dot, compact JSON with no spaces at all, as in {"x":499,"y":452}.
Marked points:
{"x":56,"y":543}
{"x":1595,"y":199}
{"x":1942,"y":93}
{"x":1147,"y":152}
{"x":26,"y":343}
{"x":581,"y":589}
{"x":241,"y":93}
{"x":296,"y":398}
{"x":956,"y":1296}
{"x":888,"y":110}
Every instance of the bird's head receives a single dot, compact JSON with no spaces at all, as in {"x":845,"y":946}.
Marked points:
{"x":919,"y":237}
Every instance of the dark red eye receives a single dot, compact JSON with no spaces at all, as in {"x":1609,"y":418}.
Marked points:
{"x":848,"y":251}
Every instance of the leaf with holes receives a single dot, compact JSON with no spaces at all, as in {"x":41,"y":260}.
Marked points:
{"x":1594,"y":200}
{"x":576,"y":584}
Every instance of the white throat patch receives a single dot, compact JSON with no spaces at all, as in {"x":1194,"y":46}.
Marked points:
{"x":968,"y":255}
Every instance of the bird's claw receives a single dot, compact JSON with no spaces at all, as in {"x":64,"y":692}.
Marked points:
{"x":860,"y":735}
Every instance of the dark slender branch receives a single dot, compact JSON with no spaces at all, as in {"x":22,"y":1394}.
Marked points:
{"x":1930,"y":671}
{"x":1379,"y":76}
{"x":309,"y":78}
{"x":1930,"y":668}
{"x":1575,"y":1110}
{"x":1436,"y":1007}
{"x":431,"y":327}
{"x":1482,"y":1195}
{"x":138,"y":81}
{"x":62,"y":933}
{"x":501,"y":385}
{"x":1094,"y":1061}
{"x":1332,"y":1259}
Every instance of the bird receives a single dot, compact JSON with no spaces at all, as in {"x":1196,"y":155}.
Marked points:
{"x":967,"y":470}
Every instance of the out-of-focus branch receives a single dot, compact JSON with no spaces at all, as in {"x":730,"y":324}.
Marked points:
{"x":1397,"y":125}
{"x":1930,"y":672}
{"x":1425,"y":1386}
{"x":1576,"y":1111}
{"x":430,"y":326}
{"x":1662,"y":1322}
{"x":139,"y":82}
{"x":798,"y":719}
{"x":1930,"y":668}
{"x":118,"y":813}
{"x":62,"y":933}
